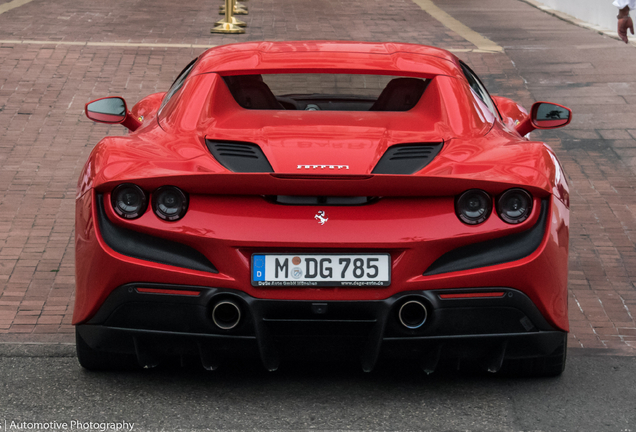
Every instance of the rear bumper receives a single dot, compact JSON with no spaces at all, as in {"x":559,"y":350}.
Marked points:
{"x":153,"y":325}
{"x":100,"y":267}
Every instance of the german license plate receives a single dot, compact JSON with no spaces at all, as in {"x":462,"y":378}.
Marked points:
{"x":321,"y":269}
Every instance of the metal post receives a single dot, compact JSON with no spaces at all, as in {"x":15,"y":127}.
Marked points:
{"x":229,"y":24}
{"x":239,"y":9}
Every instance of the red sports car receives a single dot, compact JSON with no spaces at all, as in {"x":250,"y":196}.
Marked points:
{"x":315,"y":199}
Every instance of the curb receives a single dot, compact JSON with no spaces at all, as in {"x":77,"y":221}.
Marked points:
{"x":572,"y":20}
{"x":34,"y":338}
{"x":66,"y":350}
{"x":600,"y":352}
{"x":34,"y":349}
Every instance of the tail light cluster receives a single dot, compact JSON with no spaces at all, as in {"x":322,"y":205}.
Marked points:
{"x":168,"y":202}
{"x":475,"y":206}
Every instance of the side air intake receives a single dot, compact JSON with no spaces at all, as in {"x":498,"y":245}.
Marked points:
{"x":407,"y":158}
{"x":239,"y":156}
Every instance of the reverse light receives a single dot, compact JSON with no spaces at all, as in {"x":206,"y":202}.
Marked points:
{"x":514,"y":206}
{"x":473,"y":206}
{"x":129,"y":201}
{"x":169,"y":203}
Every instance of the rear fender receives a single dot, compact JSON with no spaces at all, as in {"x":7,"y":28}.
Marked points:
{"x":146,"y":109}
{"x":513,"y":114}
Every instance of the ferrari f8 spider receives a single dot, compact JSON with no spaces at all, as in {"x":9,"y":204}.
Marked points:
{"x":316,"y":199}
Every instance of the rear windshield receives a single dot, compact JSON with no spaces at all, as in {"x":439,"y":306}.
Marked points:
{"x":326,"y":92}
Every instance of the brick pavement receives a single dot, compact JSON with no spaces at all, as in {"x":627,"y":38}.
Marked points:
{"x":45,"y":139}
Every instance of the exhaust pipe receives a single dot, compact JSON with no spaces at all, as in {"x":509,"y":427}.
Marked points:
{"x":412,"y":314}
{"x":226,"y":314}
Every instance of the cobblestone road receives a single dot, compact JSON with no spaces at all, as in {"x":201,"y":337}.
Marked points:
{"x":57,"y":55}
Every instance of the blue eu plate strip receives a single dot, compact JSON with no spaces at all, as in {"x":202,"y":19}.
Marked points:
{"x":258,"y":267}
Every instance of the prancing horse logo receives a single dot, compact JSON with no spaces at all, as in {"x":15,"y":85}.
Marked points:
{"x":320,"y":217}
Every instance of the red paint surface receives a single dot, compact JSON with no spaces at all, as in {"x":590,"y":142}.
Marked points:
{"x":105,"y":118}
{"x":547,"y":124}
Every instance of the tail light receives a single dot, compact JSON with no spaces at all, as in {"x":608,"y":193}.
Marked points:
{"x":169,"y":203}
{"x":473,"y":206}
{"x":514,"y":206}
{"x":129,"y":201}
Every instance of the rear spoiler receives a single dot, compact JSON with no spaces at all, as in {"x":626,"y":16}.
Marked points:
{"x":371,"y":185}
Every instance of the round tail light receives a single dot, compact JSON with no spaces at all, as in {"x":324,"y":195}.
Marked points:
{"x":169,"y":203}
{"x":129,"y":201}
{"x":514,"y":206}
{"x":473,"y":206}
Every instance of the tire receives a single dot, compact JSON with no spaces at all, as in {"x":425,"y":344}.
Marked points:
{"x":94,"y":360}
{"x":551,"y":365}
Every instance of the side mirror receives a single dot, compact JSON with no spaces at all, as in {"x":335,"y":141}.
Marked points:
{"x":550,"y":116}
{"x":545,"y":115}
{"x":111,"y":110}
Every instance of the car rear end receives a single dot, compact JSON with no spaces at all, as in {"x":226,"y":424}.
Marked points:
{"x":301,"y":231}
{"x":396,"y":276}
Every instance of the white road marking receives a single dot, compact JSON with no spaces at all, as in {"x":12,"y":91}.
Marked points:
{"x":482,"y":43}
{"x":12,"y":5}
{"x":104,"y":44}
{"x":155,"y":45}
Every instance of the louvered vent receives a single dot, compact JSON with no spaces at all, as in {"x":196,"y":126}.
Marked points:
{"x":407,"y":158}
{"x":239,"y":156}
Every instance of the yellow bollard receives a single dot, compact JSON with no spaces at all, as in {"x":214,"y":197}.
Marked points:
{"x":233,"y":19}
{"x":229,"y":24}
{"x":239,"y":9}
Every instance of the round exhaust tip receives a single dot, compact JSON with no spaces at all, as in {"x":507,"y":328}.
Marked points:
{"x":412,"y":314}
{"x":226,"y":315}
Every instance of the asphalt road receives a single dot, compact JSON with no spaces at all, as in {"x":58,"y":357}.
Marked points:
{"x":596,"y":393}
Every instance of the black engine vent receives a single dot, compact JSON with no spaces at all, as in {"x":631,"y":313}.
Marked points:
{"x":239,"y":156}
{"x":407,"y":158}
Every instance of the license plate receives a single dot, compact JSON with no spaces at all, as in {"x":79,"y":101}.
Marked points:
{"x":321,"y":269}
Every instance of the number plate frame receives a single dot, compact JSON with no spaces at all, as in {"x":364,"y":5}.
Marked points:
{"x":330,"y":283}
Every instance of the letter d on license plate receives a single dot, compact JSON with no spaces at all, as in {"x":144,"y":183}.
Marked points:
{"x":321,"y":269}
